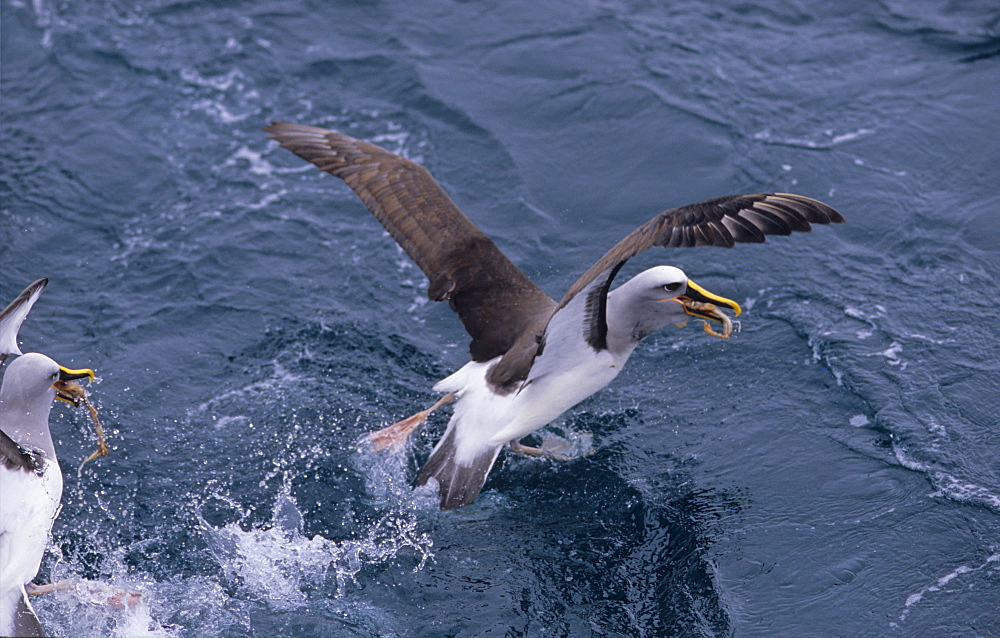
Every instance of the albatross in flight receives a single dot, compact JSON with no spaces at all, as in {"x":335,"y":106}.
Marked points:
{"x":533,"y":357}
{"x":30,"y":478}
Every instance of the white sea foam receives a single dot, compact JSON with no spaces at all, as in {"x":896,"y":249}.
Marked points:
{"x":947,"y":485}
{"x":219,"y":111}
{"x":267,"y":200}
{"x":936,"y":428}
{"x":992,"y":561}
{"x":867,"y":317}
{"x":133,"y":242}
{"x":859,"y":421}
{"x":964,"y":491}
{"x":864,"y":314}
{"x":892,"y":355}
{"x":826,"y":139}
{"x":395,"y":142}
{"x":851,"y":136}
{"x":258,"y":165}
{"x":218,"y":82}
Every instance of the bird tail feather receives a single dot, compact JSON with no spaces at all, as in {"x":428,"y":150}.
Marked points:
{"x":17,"y":618}
{"x":458,"y":484}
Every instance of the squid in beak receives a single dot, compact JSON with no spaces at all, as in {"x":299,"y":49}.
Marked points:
{"x":700,"y":303}
{"x":67,"y":389}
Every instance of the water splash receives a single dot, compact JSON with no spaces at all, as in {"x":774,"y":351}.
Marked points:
{"x":279,"y":563}
{"x":114,"y":607}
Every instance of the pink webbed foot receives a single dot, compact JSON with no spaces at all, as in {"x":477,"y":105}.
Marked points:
{"x":395,"y":436}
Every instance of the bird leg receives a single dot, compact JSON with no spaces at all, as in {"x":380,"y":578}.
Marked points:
{"x":396,"y":434}
{"x":553,"y":452}
{"x":48,"y":588}
{"x":97,"y":592}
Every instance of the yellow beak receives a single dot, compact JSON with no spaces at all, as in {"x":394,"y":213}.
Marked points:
{"x":67,"y":389}
{"x":698,"y":294}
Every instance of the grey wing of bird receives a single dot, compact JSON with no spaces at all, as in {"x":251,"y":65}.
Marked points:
{"x":13,"y":316}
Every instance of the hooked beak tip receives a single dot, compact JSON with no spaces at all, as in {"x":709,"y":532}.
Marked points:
{"x":67,"y":389}
{"x":698,"y":294}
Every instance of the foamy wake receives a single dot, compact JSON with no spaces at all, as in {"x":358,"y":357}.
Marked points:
{"x":947,"y":485}
{"x":941,"y":584}
{"x":85,"y":607}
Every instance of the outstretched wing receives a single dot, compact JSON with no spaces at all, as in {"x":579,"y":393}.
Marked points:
{"x":724,"y":221}
{"x":13,"y":315}
{"x":494,"y":299}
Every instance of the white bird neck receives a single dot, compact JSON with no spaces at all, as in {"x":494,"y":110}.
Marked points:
{"x":26,"y":421}
{"x":626,"y":328}
{"x":631,"y":318}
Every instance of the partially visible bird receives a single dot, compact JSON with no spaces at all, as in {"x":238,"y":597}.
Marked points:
{"x":30,"y":479}
{"x":532,"y":358}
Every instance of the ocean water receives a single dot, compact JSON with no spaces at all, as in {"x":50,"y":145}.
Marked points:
{"x":831,"y":470}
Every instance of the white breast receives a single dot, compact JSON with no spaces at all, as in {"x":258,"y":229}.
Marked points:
{"x":484,"y":419}
{"x":568,"y":371}
{"x":545,"y":397}
{"x":28,"y":505}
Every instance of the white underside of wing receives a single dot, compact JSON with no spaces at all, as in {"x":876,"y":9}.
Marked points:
{"x":10,"y":324}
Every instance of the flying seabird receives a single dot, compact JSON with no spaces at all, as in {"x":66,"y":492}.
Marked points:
{"x":30,"y":479}
{"x":13,"y":315}
{"x":533,"y":358}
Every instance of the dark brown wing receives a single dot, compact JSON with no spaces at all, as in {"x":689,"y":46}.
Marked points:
{"x":494,"y":299}
{"x":14,"y":457}
{"x":724,"y":221}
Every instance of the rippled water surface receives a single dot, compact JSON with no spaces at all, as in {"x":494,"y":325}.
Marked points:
{"x":830,"y":470}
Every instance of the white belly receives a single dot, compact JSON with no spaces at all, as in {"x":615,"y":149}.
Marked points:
{"x":547,"y":397}
{"x":28,"y":505}
{"x":483,"y":419}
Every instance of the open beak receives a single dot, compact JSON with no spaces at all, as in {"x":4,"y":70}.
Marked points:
{"x":699,"y":295}
{"x":67,"y":389}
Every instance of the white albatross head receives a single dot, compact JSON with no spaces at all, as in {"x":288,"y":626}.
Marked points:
{"x":30,"y":384}
{"x":654,"y":298}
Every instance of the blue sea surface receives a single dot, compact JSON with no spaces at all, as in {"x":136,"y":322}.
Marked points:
{"x":833,"y":469}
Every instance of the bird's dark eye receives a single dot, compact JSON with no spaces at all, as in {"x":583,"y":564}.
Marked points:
{"x":672,"y":287}
{"x":55,"y":375}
